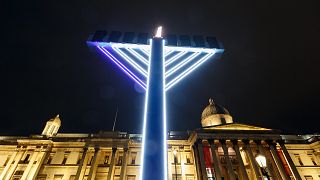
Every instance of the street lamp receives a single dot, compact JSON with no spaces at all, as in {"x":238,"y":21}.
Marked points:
{"x":175,"y":162}
{"x":262,"y":161}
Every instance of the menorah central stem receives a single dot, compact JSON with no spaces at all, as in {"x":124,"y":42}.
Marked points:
{"x":154,"y":147}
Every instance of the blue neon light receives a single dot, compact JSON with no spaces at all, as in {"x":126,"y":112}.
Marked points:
{"x":132,"y":62}
{"x":145,"y":118}
{"x":122,"y":67}
{"x":158,"y":68}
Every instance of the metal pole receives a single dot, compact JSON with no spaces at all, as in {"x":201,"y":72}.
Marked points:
{"x":265,"y":172}
{"x":175,"y":166}
{"x":115,"y":119}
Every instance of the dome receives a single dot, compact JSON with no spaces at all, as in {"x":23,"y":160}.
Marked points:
{"x":215,"y":114}
{"x":213,"y":108}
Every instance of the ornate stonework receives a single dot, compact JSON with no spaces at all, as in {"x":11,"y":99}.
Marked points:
{"x":225,"y":150}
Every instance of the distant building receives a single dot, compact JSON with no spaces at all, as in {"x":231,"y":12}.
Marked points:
{"x":221,"y":149}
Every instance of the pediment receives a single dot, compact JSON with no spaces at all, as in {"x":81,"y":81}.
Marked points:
{"x":238,"y":126}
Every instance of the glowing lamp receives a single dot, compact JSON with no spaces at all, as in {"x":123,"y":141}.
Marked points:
{"x":175,"y":152}
{"x":261,"y":160}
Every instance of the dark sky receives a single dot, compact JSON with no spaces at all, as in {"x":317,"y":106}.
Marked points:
{"x":267,"y":76}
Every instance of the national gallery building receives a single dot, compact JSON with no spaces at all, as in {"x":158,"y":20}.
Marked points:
{"x":221,"y":149}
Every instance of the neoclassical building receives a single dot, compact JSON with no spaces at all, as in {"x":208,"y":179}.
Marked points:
{"x":221,"y":149}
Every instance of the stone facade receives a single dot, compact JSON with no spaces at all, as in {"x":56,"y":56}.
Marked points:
{"x":226,"y":150}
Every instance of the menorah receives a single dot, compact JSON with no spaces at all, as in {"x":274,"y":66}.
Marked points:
{"x":156,"y":64}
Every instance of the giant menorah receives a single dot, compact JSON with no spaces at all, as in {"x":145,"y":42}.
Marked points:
{"x":157,"y":64}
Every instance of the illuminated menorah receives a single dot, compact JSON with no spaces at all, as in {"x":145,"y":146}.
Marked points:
{"x":156,"y":64}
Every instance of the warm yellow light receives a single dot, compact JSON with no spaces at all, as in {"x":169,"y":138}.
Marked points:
{"x":175,"y":152}
{"x":261,"y":160}
{"x":159,"y":32}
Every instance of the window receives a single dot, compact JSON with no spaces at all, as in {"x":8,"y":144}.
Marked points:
{"x":64,"y":159}
{"x":188,"y":158}
{"x":131,"y":177}
{"x":49,"y":160}
{"x":79,"y":158}
{"x":58,"y":177}
{"x":308,"y":177}
{"x":119,"y":161}
{"x":133,"y":157}
{"x":299,"y":159}
{"x":176,"y":176}
{"x":223,"y":120}
{"x":189,"y":177}
{"x":17,"y":175}
{"x":106,"y":159}
{"x":26,"y":159}
{"x":312,"y":159}
{"x":41,"y":177}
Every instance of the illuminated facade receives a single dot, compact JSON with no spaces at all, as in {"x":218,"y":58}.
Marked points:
{"x":221,"y":149}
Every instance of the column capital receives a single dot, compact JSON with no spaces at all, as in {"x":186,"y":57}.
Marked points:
{"x":198,"y":141}
{"x":270,"y":142}
{"x":222,"y":141}
{"x":257,"y":141}
{"x":281,"y":141}
{"x":211,"y":141}
{"x":245,"y":141}
{"x":114,"y":149}
{"x":234,"y":141}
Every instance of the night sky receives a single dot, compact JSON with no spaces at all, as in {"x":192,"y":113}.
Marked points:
{"x":268,"y":75}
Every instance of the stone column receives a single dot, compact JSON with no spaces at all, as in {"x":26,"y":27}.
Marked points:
{"x":262,"y":152}
{"x":8,"y":165}
{"x":289,"y":160}
{"x":278,"y":161}
{"x":83,"y":161}
{"x":111,"y":168}
{"x":36,"y":167}
{"x":241,"y":164}
{"x":202,"y":161}
{"x":197,"y":161}
{"x":251,"y":158}
{"x":226,"y":156}
{"x":15,"y":164}
{"x":215,"y":157}
{"x":30,"y":164}
{"x":124,"y":164}
{"x":94,"y":164}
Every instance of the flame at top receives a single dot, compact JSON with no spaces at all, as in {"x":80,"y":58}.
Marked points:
{"x":159,"y":32}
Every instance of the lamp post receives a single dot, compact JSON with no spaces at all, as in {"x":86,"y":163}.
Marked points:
{"x":175,"y":163}
{"x":262,"y":161}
